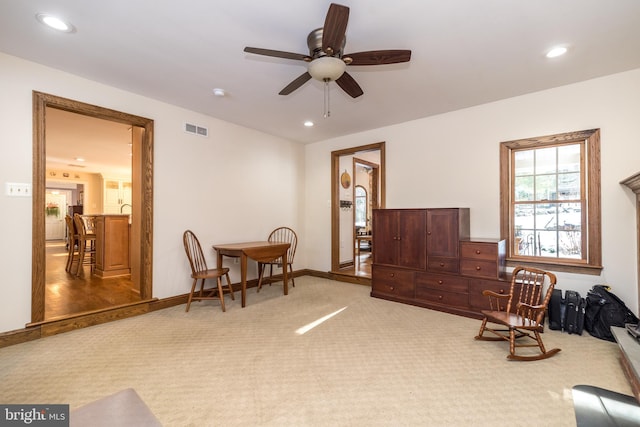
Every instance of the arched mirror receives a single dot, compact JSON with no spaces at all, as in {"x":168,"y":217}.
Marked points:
{"x":360,"y":212}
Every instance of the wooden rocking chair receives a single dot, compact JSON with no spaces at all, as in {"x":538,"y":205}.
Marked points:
{"x":521,"y":312}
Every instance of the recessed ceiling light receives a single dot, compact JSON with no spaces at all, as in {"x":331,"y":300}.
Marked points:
{"x":556,"y":51}
{"x":219,"y":92}
{"x":79,"y":159}
{"x":55,"y":23}
{"x":308,"y":123}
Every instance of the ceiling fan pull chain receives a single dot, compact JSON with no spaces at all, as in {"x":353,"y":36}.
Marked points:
{"x":327,"y":113}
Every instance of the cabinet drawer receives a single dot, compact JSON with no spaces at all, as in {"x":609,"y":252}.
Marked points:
{"x":478,"y":268}
{"x":476,"y":287}
{"x":393,"y":281}
{"x":442,"y":282}
{"x":442,"y":265}
{"x":442,"y":297}
{"x":477,"y":250}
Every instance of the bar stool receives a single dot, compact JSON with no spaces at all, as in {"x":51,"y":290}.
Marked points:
{"x":86,"y":245}
{"x":72,"y":243}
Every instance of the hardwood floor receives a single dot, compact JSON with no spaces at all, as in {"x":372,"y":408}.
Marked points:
{"x":361,"y":266}
{"x":66,"y":294}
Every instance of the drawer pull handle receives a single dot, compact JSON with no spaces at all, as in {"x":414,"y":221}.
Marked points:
{"x":478,"y":268}
{"x":442,"y":264}
{"x":501,"y":291}
{"x":478,"y":252}
{"x":439,"y":297}
{"x":440,"y":282}
{"x":391,"y":288}
{"x":392,"y":274}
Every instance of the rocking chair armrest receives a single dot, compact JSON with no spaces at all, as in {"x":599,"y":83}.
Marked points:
{"x":530,"y":307}
{"x":488,"y":293}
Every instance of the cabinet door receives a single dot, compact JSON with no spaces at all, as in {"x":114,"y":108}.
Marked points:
{"x":127,"y":191}
{"x":442,"y":232}
{"x":385,"y":236}
{"x":116,"y":193}
{"x":111,"y":197}
{"x":412,"y":245}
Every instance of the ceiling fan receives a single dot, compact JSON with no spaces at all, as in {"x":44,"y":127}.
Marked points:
{"x":326,"y":60}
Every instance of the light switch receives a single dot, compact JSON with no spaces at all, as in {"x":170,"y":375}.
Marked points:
{"x":18,"y":190}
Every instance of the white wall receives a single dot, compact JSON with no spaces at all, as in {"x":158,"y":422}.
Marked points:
{"x":452,"y":160}
{"x":222,"y":187}
{"x":236,"y":185}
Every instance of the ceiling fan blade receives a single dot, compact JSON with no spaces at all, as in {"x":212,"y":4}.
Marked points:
{"x":295,"y":84}
{"x":349,"y":85}
{"x":277,"y":53}
{"x":378,"y":57}
{"x":335,"y":27}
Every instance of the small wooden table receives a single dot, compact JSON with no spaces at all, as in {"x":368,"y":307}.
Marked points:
{"x":363,"y":238}
{"x":259,"y":251}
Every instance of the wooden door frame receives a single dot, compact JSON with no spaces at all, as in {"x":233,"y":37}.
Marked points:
{"x":335,"y":193}
{"x":145,"y":168}
{"x":371,"y":195}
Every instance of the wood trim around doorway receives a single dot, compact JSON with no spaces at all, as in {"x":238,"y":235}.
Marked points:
{"x":40,"y":103}
{"x":335,"y":193}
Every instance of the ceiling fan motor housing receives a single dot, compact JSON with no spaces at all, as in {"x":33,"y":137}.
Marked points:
{"x":314,"y":42}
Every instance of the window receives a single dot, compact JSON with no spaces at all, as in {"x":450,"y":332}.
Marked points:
{"x":361,"y":206}
{"x":550,"y":201}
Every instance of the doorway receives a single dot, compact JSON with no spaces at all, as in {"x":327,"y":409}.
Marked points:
{"x":55,"y":203}
{"x":366,"y":186}
{"x":142,"y":189}
{"x":343,"y":230}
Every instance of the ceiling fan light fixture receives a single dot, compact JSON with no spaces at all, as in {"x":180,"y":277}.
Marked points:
{"x":327,"y":68}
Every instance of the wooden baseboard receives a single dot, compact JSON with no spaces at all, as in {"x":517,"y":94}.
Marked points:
{"x":34,"y":331}
{"x":19,"y":336}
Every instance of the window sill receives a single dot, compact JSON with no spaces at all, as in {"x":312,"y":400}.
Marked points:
{"x":557,"y":266}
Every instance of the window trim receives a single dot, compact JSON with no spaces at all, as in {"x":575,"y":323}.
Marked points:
{"x":593,"y":263}
{"x":355,"y":203}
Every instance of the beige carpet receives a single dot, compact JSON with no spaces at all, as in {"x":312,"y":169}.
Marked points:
{"x":375,"y":363}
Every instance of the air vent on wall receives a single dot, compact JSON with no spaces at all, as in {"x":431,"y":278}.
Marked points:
{"x":196,"y":130}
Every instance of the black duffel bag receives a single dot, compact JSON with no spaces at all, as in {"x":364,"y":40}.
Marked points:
{"x":604,"y":310}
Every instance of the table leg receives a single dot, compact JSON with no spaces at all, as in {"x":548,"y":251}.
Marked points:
{"x":219,"y":261}
{"x":285,"y":268}
{"x":243,"y":277}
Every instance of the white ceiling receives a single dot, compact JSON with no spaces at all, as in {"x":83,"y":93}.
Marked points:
{"x":464,"y":53}
{"x":104,"y":146}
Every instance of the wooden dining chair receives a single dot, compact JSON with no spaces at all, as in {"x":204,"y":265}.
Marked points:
{"x":520,"y":313}
{"x":281,"y":235}
{"x":72,"y":243}
{"x":86,"y":245}
{"x":200,"y":271}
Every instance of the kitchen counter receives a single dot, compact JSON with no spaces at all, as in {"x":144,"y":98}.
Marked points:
{"x":112,"y":245}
